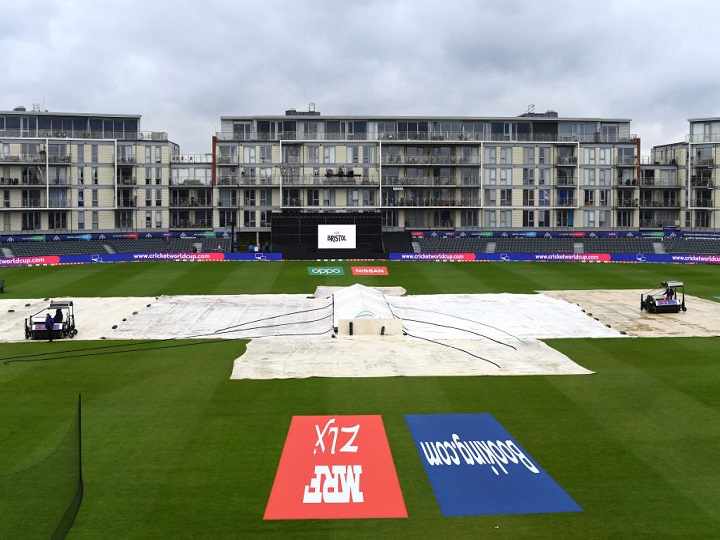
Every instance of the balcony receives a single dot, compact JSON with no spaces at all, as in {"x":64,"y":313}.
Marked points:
{"x":703,"y":203}
{"x":659,"y":203}
{"x":627,"y":203}
{"x":704,"y":162}
{"x":190,"y":182}
{"x":697,"y":181}
{"x":191,"y":202}
{"x":566,"y":161}
{"x":627,"y":161}
{"x":191,"y":158}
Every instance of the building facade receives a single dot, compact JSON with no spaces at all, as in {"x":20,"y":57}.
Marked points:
{"x":66,"y":173}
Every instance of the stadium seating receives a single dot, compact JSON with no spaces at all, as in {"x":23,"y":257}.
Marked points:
{"x":698,"y":246}
{"x":619,"y":245}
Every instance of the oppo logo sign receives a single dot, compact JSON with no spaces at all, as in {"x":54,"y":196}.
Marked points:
{"x":326,"y":270}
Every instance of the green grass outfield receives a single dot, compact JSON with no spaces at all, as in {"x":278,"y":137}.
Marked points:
{"x":174,"y":449}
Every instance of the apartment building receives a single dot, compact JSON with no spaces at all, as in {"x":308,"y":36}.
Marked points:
{"x":532,"y":171}
{"x":679,"y":183}
{"x":63,"y":173}
{"x":67,"y":173}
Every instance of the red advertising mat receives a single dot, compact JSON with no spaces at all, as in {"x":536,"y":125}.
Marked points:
{"x":336,"y":467}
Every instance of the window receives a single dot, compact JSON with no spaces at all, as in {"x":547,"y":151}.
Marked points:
{"x":543,"y":155}
{"x":543,"y":218}
{"x":490,"y":218}
{"x":249,"y":218}
{"x":528,"y":217}
{"x":158,"y":197}
{"x":95,"y":219}
{"x":368,"y":197}
{"x":624,"y":218}
{"x":505,"y":177}
{"x":313,"y":197}
{"x":148,"y":220}
{"x":313,"y":154}
{"x":94,"y":151}
{"x":604,"y":197}
{"x":81,"y":220}
{"x":353,"y":197}
{"x":148,"y":197}
{"x":249,"y":197}
{"x":81,"y":153}
{"x":528,"y":177}
{"x":544,"y":197}
{"x":589,"y":177}
{"x":329,"y":154}
{"x":505,"y":155}
{"x":491,"y":155}
{"x":81,"y":197}
{"x":589,"y":156}
{"x":81,"y":175}
{"x":352,"y":154}
{"x":604,"y":176}
{"x":528,"y":197}
{"x":368,"y":154}
{"x":603,"y":156}
{"x":158,"y":154}
{"x":528,"y":155}
{"x":602,"y":218}
{"x":265,"y":197}
{"x":469,"y":218}
{"x":588,"y":218}
{"x":505,"y":197}
{"x":266,"y":154}
{"x":490,"y":177}
{"x":265,"y":217}
{"x":291,"y":154}
{"x":564,"y":218}
{"x":543,"y":175}
{"x":94,"y":197}
{"x":57,"y":220}
{"x":125,"y":153}
{"x":505,"y":218}
{"x":490,"y":197}
{"x":158,"y":175}
{"x":589,"y":197}
{"x":94,"y":175}
{"x":328,"y":197}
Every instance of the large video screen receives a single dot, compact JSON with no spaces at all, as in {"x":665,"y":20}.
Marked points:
{"x":336,"y":237}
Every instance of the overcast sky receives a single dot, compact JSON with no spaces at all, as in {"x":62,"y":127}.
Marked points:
{"x":182,"y":64}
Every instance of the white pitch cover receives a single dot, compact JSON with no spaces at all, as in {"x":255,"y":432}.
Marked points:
{"x":336,"y":237}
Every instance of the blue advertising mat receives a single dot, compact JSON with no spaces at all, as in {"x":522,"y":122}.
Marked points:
{"x":476,"y":468}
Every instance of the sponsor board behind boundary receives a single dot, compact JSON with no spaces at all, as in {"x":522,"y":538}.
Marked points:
{"x":325,"y":271}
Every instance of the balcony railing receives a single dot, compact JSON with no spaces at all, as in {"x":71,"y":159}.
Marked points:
{"x":566,"y":160}
{"x":31,"y":203}
{"x":431,"y":135}
{"x":696,"y":181}
{"x":191,"y":158}
{"x":190,"y":182}
{"x":191,"y":203}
